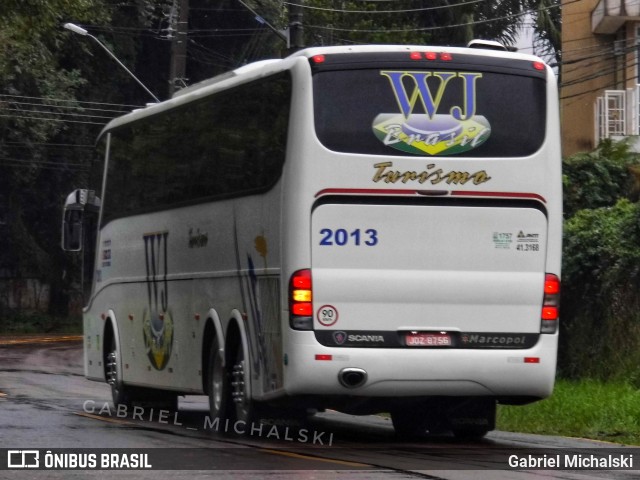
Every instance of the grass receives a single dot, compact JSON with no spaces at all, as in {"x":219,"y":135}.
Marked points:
{"x":39,"y":323}
{"x":585,"y":409}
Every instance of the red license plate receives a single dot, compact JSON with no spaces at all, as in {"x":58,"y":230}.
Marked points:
{"x":428,"y":340}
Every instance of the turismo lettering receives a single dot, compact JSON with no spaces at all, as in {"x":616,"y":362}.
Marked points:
{"x":384,"y":173}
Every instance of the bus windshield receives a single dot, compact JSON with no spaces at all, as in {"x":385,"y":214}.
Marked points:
{"x":450,"y":111}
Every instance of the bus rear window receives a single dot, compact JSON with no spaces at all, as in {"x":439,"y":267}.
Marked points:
{"x":444,"y":112}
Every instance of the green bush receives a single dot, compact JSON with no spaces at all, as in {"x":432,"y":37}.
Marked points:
{"x":599,"y":178}
{"x":24,"y":323}
{"x":600,"y":314}
{"x":600,"y":310}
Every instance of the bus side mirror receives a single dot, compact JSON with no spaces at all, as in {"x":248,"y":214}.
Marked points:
{"x":72,"y":230}
{"x":78,"y":202}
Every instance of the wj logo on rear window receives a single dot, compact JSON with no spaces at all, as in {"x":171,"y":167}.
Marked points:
{"x":431,"y":133}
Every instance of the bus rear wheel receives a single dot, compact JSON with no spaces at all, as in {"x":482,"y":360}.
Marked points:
{"x":470,"y":434}
{"x":245,"y":408}
{"x":416,"y":420}
{"x":472,"y":419}
{"x":416,"y":423}
{"x":218,"y":383}
{"x":408,"y":425}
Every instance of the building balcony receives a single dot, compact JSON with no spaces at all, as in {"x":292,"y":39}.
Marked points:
{"x":617,"y":115}
{"x":610,"y":15}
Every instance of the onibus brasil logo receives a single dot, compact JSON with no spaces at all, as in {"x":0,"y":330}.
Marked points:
{"x":432,"y":133}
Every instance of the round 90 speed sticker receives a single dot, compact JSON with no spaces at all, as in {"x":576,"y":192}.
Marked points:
{"x":327,"y":315}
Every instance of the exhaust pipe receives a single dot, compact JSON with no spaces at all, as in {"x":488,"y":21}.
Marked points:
{"x":352,"y":377}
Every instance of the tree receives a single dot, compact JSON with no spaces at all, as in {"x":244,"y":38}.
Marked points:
{"x":547,"y":28}
{"x":34,"y":84}
{"x":440,"y":22}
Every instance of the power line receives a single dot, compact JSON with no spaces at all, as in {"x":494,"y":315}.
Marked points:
{"x":410,"y":10}
{"x":53,"y":120}
{"x":593,"y":77}
{"x":47,"y":112}
{"x":221,"y":35}
{"x":44,"y":144}
{"x":70,"y":101}
{"x":210,"y":52}
{"x":65,"y":109}
{"x":199,"y":58}
{"x":590,"y":47}
{"x":606,"y":71}
{"x":4,"y":164}
{"x":215,"y":30}
{"x":441,"y":27}
{"x":61,"y":167}
{"x":43,"y":162}
{"x":69,"y":107}
{"x":216,"y":9}
{"x":578,"y":63}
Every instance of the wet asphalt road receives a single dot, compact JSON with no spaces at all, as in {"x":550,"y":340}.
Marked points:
{"x":46,"y":403}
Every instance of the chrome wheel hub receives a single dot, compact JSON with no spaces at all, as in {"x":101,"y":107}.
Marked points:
{"x":237,"y":383}
{"x":112,"y":369}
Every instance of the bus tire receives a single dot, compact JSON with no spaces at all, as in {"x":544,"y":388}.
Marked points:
{"x":470,"y":434}
{"x":120,"y":394}
{"x":472,"y":419}
{"x":218,"y":383}
{"x":417,"y":420}
{"x":245,"y":408}
{"x":409,"y":423}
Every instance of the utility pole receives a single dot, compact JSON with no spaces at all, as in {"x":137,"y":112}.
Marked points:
{"x":296,"y":31}
{"x":178,"y":68}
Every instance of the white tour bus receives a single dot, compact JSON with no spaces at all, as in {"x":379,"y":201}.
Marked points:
{"x":367,"y":229}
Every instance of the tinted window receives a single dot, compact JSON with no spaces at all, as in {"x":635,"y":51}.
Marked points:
{"x":429,"y":113}
{"x":232,"y":143}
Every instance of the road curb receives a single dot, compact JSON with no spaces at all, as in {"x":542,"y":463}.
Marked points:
{"x":9,"y":340}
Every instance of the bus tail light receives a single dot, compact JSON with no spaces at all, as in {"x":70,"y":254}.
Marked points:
{"x":300,"y":300}
{"x":551,"y":304}
{"x":444,"y":56}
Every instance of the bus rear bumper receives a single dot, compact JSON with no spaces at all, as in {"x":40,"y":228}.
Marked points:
{"x":312,"y":369}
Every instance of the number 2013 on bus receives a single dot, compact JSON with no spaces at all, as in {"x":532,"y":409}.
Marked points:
{"x":342,"y":237}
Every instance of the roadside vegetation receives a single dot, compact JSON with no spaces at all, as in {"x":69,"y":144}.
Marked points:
{"x":593,"y":409}
{"x":17,"y":324}
{"x":598,"y":390}
{"x":600,"y":314}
